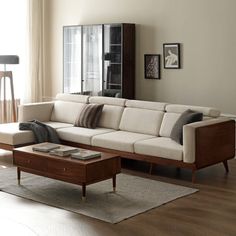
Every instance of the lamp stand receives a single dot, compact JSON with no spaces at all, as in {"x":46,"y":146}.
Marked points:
{"x":3,"y":76}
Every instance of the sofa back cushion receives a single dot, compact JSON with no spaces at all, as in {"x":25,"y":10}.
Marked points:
{"x":157,"y":106}
{"x":66,"y":112}
{"x":35,"y":111}
{"x":173,"y":112}
{"x":168,"y":122}
{"x":112,"y":111}
{"x":206,"y":111}
{"x":141,"y":121}
{"x":108,"y":101}
{"x":110,"y":117}
{"x":142,"y":116}
{"x":72,"y":97}
{"x":67,"y":107}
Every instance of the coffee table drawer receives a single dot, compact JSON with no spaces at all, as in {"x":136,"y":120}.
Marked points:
{"x":103,"y":170}
{"x":66,"y":169}
{"x":31,"y":163}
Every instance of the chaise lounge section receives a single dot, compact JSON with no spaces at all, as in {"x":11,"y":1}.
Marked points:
{"x":133,"y":129}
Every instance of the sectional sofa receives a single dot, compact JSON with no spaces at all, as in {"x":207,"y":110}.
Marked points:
{"x":133,"y":129}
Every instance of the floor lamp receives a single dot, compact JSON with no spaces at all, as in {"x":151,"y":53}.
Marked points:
{"x":6,"y":60}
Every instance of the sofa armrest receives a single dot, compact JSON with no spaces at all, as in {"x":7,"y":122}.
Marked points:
{"x":39,"y":111}
{"x":209,"y":142}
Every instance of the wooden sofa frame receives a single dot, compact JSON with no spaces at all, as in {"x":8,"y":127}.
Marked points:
{"x":215,"y":143}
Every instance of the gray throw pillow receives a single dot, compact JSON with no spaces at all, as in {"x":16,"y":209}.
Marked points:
{"x":89,"y":116}
{"x":186,"y":117}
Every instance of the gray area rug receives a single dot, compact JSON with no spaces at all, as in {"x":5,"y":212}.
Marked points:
{"x":134,"y":194}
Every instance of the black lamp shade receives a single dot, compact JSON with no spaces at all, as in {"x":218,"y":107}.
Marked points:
{"x":9,"y":59}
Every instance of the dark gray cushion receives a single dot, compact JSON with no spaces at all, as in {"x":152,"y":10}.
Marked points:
{"x":89,"y":116}
{"x":186,"y":117}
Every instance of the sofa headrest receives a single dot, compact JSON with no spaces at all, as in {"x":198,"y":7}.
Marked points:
{"x":158,"y":106}
{"x":72,"y":97}
{"x":108,"y":100}
{"x":206,"y":111}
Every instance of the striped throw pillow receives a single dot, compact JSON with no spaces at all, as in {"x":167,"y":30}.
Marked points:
{"x":89,"y":116}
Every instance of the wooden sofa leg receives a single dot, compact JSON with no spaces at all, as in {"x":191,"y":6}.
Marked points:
{"x":150,"y":168}
{"x":193,"y":176}
{"x":226,"y":166}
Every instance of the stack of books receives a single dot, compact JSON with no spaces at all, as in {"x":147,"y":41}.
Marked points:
{"x":59,"y":150}
{"x":85,"y":154}
{"x":63,"y":151}
{"x":45,"y":147}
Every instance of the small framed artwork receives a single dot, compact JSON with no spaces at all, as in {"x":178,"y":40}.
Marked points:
{"x":171,"y":54}
{"x":152,"y":66}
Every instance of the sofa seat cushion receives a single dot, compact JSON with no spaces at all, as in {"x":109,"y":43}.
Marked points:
{"x":58,"y":125}
{"x":80,"y":134}
{"x":11,"y":135}
{"x":160,"y":147}
{"x":119,"y":140}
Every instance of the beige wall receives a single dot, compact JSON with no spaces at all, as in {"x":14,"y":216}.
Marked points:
{"x":205,"y":28}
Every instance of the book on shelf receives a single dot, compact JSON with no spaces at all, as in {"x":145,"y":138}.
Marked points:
{"x":64,"y":151}
{"x":85,"y":154}
{"x":45,"y":147}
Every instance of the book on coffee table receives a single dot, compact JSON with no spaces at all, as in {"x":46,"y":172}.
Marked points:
{"x":45,"y":147}
{"x":85,"y":154}
{"x":64,"y":151}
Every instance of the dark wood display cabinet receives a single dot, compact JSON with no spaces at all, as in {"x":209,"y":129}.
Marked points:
{"x":100,"y":60}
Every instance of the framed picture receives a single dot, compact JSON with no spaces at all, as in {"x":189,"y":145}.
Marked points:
{"x":152,"y":66}
{"x":171,"y":54}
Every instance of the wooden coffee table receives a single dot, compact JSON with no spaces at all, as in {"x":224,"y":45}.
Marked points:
{"x":66,"y":168}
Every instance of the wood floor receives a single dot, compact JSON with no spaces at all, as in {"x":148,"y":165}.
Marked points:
{"x":211,"y":211}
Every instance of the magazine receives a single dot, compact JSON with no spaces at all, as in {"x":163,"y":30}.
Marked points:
{"x":45,"y":147}
{"x":85,"y":154}
{"x":63,"y":151}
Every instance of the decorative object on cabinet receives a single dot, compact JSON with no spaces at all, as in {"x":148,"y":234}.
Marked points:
{"x":99,"y":60}
{"x":171,"y":54}
{"x":152,"y":66}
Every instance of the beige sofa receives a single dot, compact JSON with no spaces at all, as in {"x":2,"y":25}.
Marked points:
{"x":134,"y":129}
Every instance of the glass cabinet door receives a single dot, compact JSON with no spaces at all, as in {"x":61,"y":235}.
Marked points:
{"x":112,"y":60}
{"x":72,"y":59}
{"x":92,"y":60}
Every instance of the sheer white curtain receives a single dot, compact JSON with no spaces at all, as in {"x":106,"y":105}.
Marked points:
{"x":22,"y":27}
{"x":13,"y":26}
{"x":36,"y":83}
